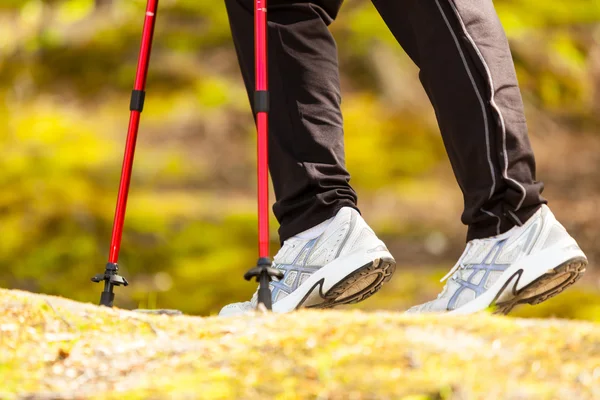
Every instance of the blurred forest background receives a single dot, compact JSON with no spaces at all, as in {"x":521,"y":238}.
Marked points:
{"x":66,"y":71}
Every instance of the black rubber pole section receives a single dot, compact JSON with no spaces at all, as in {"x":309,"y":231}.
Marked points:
{"x":264,"y":293}
{"x":261,"y":101}
{"x":137,"y":100}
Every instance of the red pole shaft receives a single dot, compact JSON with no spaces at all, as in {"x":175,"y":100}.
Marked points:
{"x":134,"y":123}
{"x":260,"y":24}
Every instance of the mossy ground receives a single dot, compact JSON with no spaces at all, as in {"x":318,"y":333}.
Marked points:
{"x":56,"y":348}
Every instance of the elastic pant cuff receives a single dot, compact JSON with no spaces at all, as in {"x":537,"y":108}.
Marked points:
{"x":489,"y":228}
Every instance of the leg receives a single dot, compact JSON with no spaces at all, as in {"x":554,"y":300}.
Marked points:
{"x":329,"y":255}
{"x":306,"y":145}
{"x":467,"y":71}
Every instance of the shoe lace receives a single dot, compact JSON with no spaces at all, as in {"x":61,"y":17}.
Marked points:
{"x":459,"y":264}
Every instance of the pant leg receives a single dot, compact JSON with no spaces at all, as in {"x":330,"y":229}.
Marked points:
{"x":467,"y":71}
{"x":306,"y":145}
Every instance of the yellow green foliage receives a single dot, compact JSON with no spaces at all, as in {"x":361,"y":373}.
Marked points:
{"x":66,"y":69}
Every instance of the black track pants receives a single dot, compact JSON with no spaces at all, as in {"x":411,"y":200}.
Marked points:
{"x":466,"y":69}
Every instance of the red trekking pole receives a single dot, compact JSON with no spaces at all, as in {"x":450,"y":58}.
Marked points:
{"x":111,"y":278}
{"x":263,"y":272}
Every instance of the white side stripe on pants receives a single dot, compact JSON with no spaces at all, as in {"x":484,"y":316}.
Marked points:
{"x":483,"y":110}
{"x":492,"y":102}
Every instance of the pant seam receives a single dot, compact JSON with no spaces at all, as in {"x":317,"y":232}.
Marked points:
{"x":494,"y":215}
{"x":492,"y":102}
{"x":481,"y":102}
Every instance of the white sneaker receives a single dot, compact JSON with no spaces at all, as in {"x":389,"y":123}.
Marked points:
{"x":527,"y":264}
{"x":346,"y":264}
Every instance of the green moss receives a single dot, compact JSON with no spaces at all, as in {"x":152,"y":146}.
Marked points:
{"x":53,"y":345}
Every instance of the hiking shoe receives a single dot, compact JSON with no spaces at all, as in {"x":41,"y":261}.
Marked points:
{"x":344,"y":264}
{"x":527,"y":264}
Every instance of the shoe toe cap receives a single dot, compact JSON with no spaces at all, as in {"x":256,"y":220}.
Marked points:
{"x":430,"y":307}
{"x":235,"y":309}
{"x":415,"y":310}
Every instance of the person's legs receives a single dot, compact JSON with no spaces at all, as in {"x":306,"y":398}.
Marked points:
{"x":329,"y":256}
{"x":521,"y":254}
{"x":467,"y":71}
{"x":306,"y":144}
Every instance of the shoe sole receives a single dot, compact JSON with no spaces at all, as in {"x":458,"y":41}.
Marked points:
{"x":546,"y":286}
{"x":360,"y":284}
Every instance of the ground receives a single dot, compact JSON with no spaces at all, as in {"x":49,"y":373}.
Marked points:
{"x":56,"y":348}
